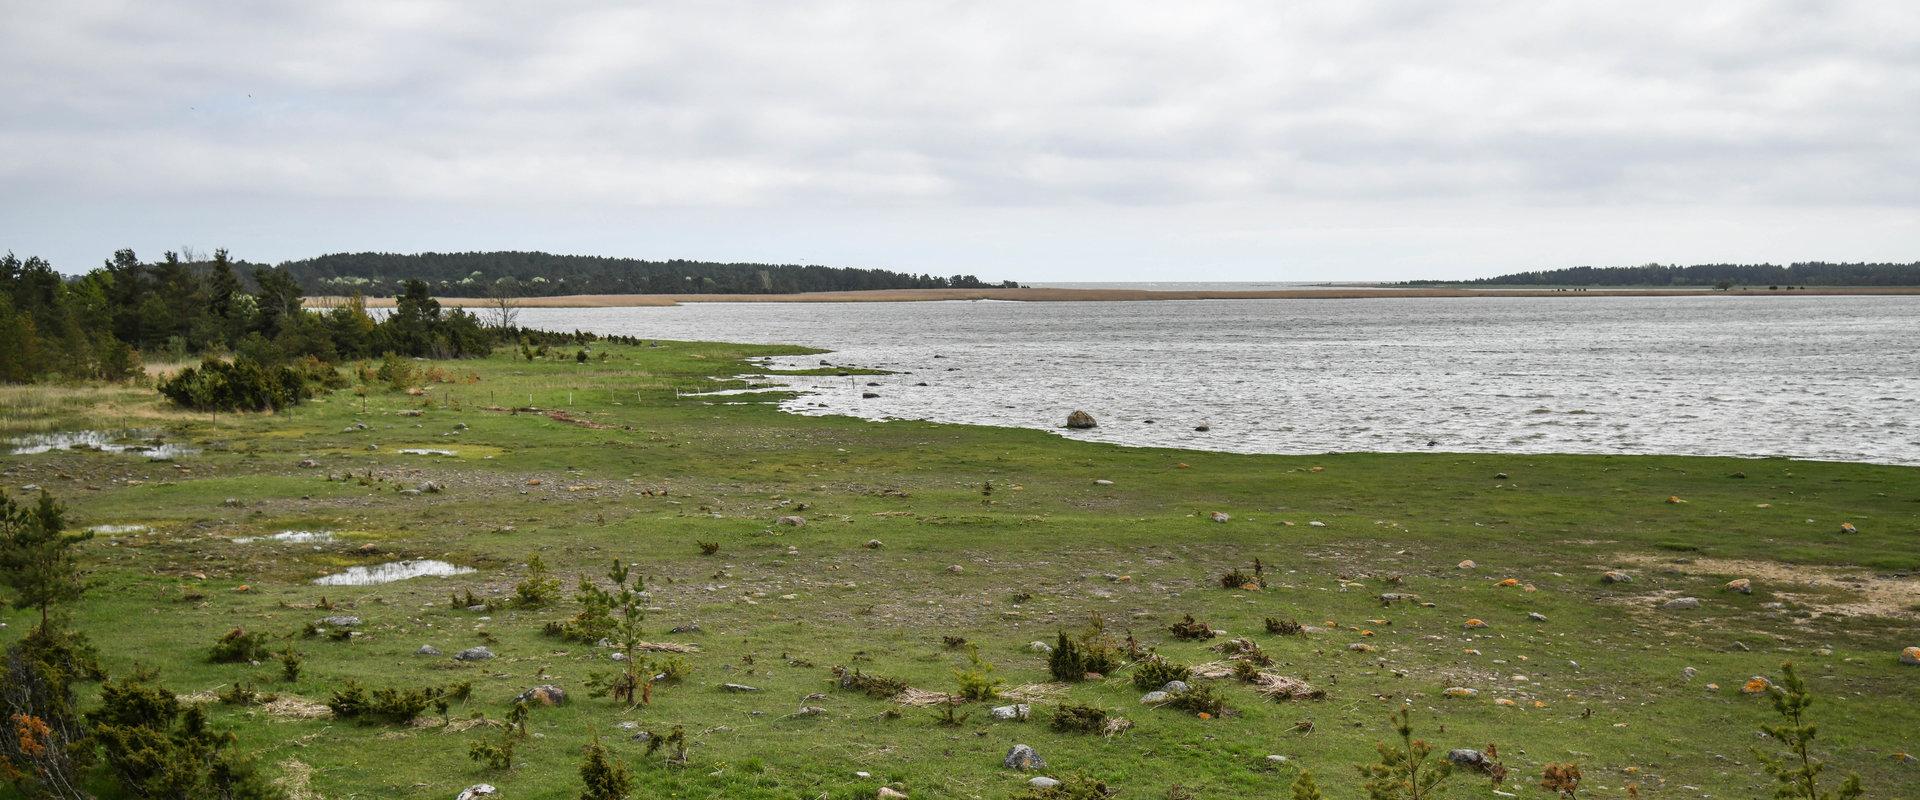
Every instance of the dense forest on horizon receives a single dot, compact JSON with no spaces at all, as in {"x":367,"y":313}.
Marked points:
{"x":1811,"y":273}
{"x":540,"y":274}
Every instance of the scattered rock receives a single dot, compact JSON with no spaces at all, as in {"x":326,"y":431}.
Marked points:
{"x":691,"y":627}
{"x":889,"y":793}
{"x":1022,"y":757}
{"x":544,"y":695}
{"x":739,"y":687}
{"x":1221,"y":516}
{"x":1689,"y":672}
{"x":1467,"y":564}
{"x":1460,"y":692}
{"x":1615,"y":576}
{"x":477,"y":790}
{"x":1473,"y":624}
{"x":1681,"y":604}
{"x":430,"y":487}
{"x":1316,"y":524}
{"x":1203,"y":427}
{"x":1389,"y":598}
{"x":1469,"y":758}
{"x":1360,"y":647}
{"x":473,"y":654}
{"x":1042,"y":782}
{"x":1017,"y":711}
{"x":1757,"y":684}
{"x":1151,"y":698}
{"x":1499,"y":476}
{"x":1847,"y":527}
{"x":873,"y":544}
{"x":1276,"y":760}
{"x":1536,"y":616}
{"x":1741,"y":585}
{"x":956,"y":569}
{"x":1173,"y":687}
{"x":308,"y":463}
{"x":1910,"y":656}
{"x":791,"y":521}
{"x":231,"y":502}
{"x":427,"y":650}
{"x":340,"y":621}
{"x":1079,"y":421}
{"x":1101,"y":482}
{"x":1039,"y":647}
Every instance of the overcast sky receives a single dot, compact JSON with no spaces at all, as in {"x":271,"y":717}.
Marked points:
{"x":1028,"y":140}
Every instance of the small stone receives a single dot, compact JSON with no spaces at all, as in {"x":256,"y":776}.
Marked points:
{"x":873,"y":544}
{"x":1151,"y":698}
{"x":1360,"y":647}
{"x":1316,"y":524}
{"x":340,"y":622}
{"x":1910,"y":656}
{"x":1741,"y":585}
{"x":1102,"y":482}
{"x":1847,"y":527}
{"x":1221,"y":516}
{"x":791,"y":521}
{"x":427,"y":650}
{"x":809,"y":711}
{"x":956,"y":569}
{"x":1467,"y":564}
{"x":739,"y":687}
{"x":1473,"y":624}
{"x":1042,"y":782}
{"x":691,"y":627}
{"x":889,"y":793}
{"x":1277,"y":760}
{"x":1499,"y":476}
{"x":308,"y":463}
{"x":430,"y":487}
{"x":1615,"y":576}
{"x":1681,"y":604}
{"x":863,"y":774}
{"x":1460,"y":692}
{"x":473,"y":654}
{"x":1018,"y":711}
{"x":477,"y":790}
{"x":1022,"y":757}
{"x":1173,"y":687}
{"x":1039,"y":647}
{"x":1536,"y":616}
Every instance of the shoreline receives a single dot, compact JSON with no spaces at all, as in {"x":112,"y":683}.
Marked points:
{"x":1100,"y":295}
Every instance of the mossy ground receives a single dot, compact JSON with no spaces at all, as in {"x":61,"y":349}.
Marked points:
{"x":636,"y":470}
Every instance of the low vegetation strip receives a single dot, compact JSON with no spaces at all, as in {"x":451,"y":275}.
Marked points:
{"x":655,"y":605}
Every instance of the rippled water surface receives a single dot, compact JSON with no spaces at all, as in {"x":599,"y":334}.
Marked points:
{"x":1834,"y":378}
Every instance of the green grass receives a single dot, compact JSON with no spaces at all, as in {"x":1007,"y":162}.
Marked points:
{"x":652,"y":473}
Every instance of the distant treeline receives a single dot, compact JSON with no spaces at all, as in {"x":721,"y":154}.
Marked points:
{"x":545,"y":274}
{"x":105,"y":324}
{"x":1812,"y":273}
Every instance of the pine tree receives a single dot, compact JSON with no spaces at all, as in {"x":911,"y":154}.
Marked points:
{"x":1798,"y":774}
{"x":605,"y":777}
{"x":36,"y":558}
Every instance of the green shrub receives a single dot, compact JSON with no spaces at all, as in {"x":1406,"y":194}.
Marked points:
{"x":1797,"y":775}
{"x":390,"y":706}
{"x":1093,"y":652}
{"x":240,"y":385}
{"x":1156,"y":672}
{"x":240,"y":647}
{"x":156,"y":749}
{"x":976,"y":681}
{"x":539,"y":587}
{"x":1199,"y":699}
{"x":1189,"y":628}
{"x":1078,"y":719}
{"x":872,"y":685}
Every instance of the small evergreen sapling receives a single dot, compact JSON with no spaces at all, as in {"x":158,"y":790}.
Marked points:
{"x":1797,"y":774}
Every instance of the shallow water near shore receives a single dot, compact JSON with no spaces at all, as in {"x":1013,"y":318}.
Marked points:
{"x":391,"y":571}
{"x":1830,"y":378}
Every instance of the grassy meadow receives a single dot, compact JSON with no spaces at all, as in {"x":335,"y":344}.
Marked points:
{"x":1000,"y":537}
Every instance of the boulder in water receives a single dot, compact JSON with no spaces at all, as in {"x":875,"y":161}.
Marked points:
{"x":1081,"y":420}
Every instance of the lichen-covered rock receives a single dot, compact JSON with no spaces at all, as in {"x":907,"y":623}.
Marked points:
{"x":1910,"y":656}
{"x":474,"y":654}
{"x":1615,"y":576}
{"x":543,"y":695}
{"x":1022,"y":757}
{"x":1681,"y":604}
{"x":1081,"y":420}
{"x":1741,"y":585}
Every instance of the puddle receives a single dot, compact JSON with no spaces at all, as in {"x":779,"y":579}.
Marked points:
{"x":294,"y":537}
{"x":118,"y":529}
{"x":390,"y":572}
{"x":140,"y":443}
{"x":426,"y":451}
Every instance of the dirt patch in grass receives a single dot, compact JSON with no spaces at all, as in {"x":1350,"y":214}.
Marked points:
{"x":1829,"y":590}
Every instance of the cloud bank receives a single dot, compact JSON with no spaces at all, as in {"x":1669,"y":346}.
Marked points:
{"x":1063,"y":141}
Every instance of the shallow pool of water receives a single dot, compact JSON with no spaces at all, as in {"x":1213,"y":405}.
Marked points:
{"x":391,"y":571}
{"x":292,"y":537}
{"x":133,"y":442}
